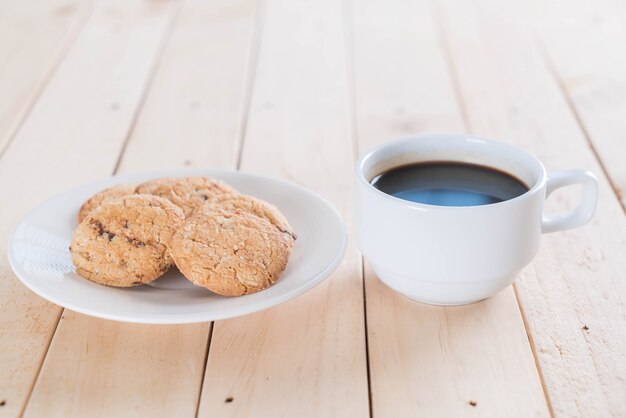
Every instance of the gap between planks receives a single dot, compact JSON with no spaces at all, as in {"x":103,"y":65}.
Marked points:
{"x":533,"y":347}
{"x":162,"y":42}
{"x":58,"y":57}
{"x":454,"y":77}
{"x":280,"y":108}
{"x":66,"y":44}
{"x":576,"y":297}
{"x":247,"y":97}
{"x":348,"y":36}
{"x":253,"y":59}
{"x":43,"y":360}
{"x":206,"y":360}
{"x":405,"y":113}
{"x":453,"y":74}
{"x":579,"y":121}
{"x":165,"y":36}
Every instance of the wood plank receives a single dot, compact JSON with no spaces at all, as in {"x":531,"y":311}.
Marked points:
{"x":71,"y":136}
{"x":306,"y":357}
{"x":34,"y":38}
{"x":196,"y":105}
{"x":439,"y":362}
{"x":595,"y":84}
{"x":574,"y":293}
{"x":191,"y":116}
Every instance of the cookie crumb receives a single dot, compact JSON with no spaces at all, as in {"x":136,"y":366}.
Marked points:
{"x":472,"y":403}
{"x":229,"y":399}
{"x":585,"y":328}
{"x":3,"y":402}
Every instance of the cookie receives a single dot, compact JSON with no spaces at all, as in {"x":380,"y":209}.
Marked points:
{"x":188,"y":193}
{"x":248,"y":204}
{"x":231,"y":252}
{"x":106,"y":194}
{"x":125,"y":242}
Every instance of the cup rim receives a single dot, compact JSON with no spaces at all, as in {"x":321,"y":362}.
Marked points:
{"x":539,"y":184}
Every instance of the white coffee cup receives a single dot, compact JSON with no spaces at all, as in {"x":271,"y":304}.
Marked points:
{"x":449,"y":255}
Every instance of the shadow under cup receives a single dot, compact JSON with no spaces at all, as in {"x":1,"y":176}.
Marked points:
{"x":448,"y":255}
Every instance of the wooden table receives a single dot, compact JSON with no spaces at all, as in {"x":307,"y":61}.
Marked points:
{"x":297,"y":89}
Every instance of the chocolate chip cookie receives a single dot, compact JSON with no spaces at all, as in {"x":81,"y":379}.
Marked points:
{"x":125,"y":242}
{"x":188,"y":193}
{"x":233,"y":250}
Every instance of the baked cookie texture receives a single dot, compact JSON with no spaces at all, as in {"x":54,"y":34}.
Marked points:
{"x":231,"y":250}
{"x":96,"y":200}
{"x":242,"y":203}
{"x":125,"y":242}
{"x":188,"y":193}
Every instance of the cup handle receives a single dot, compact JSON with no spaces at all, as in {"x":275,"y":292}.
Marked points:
{"x":586,"y":208}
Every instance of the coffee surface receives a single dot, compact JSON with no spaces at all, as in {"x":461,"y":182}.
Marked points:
{"x":449,"y":183}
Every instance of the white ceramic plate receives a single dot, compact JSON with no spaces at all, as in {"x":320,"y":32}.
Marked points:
{"x":39,"y":255}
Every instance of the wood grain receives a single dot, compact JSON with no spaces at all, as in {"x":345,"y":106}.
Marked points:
{"x":596,"y":84}
{"x":574,"y":292}
{"x":196,"y":106}
{"x":305,"y":357}
{"x":334,"y":78}
{"x":436,"y":361}
{"x":70,"y":136}
{"x":150,"y":370}
{"x":34,"y":38}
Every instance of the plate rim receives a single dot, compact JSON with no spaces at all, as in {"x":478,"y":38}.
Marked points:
{"x":197,"y":317}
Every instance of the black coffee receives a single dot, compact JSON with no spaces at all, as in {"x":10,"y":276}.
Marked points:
{"x":449,"y":184}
